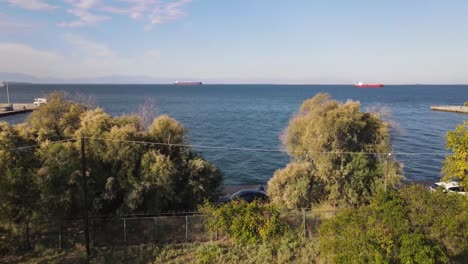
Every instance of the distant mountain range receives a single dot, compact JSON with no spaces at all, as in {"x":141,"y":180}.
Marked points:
{"x":135,"y":79}
{"x":115,"y":79}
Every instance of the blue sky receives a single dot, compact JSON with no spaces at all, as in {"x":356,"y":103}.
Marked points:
{"x":241,"y":41}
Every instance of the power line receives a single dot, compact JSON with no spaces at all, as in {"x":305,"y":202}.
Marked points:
{"x":261,"y":149}
{"x":238,"y":148}
{"x":35,"y":146}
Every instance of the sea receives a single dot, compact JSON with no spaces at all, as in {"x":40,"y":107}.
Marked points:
{"x":232,"y":125}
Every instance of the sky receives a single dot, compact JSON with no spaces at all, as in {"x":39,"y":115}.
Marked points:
{"x":238,"y":41}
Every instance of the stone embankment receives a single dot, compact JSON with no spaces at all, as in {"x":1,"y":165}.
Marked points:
{"x":17,"y":109}
{"x":451,"y":108}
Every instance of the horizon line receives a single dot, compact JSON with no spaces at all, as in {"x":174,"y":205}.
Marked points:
{"x":327,"y":84}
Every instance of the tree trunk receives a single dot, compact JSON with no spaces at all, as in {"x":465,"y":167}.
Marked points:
{"x":28,"y":241}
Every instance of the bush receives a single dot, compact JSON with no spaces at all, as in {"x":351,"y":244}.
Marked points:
{"x":411,"y":225}
{"x":246,"y":223}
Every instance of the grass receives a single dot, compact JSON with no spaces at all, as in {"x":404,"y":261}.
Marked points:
{"x":287,"y":250}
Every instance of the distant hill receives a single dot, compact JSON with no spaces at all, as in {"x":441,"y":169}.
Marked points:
{"x":18,"y":77}
{"x":113,"y":79}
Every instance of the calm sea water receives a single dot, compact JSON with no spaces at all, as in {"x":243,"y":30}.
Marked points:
{"x":254,"y":116}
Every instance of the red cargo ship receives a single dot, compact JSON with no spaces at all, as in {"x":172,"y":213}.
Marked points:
{"x":368,"y":85}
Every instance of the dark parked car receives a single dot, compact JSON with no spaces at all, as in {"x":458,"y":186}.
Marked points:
{"x":248,"y":195}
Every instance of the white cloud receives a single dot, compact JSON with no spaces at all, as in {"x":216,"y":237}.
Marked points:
{"x":166,"y":12}
{"x":83,"y":10}
{"x":92,"y":12}
{"x":32,"y":4}
{"x":84,"y":59}
{"x":153,"y":11}
{"x":85,"y":18}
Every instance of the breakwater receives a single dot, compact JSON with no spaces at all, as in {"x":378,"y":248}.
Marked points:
{"x":17,"y":109}
{"x":450,"y":108}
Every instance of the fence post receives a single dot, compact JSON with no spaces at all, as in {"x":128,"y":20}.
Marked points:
{"x":155,"y":230}
{"x":125,"y":230}
{"x":60,"y":234}
{"x":304,"y":222}
{"x":186,"y":228}
{"x":94,"y":233}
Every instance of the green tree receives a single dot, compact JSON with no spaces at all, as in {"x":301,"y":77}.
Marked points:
{"x":127,"y":177}
{"x":344,"y":150}
{"x":124,"y":175}
{"x":18,"y":190}
{"x":296,"y":186}
{"x":456,"y":164}
{"x":59,"y":179}
{"x":56,"y":120}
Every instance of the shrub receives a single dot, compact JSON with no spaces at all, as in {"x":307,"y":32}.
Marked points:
{"x":411,"y":225}
{"x":245,"y":223}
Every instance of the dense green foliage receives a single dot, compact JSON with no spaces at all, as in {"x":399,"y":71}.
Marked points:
{"x":245,"y":223}
{"x":456,"y":164}
{"x":45,"y":181}
{"x":327,"y":141}
{"x":411,"y":225}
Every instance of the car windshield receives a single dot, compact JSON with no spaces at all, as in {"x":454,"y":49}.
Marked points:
{"x":454,"y":189}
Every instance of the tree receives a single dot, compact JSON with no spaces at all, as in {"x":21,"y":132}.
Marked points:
{"x":130,"y":167}
{"x":59,"y":180}
{"x":346,"y":149}
{"x":18,"y":189}
{"x":296,"y":186}
{"x":456,"y":164}
{"x":56,"y":120}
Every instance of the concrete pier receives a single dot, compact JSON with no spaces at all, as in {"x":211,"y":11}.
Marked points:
{"x":17,"y":109}
{"x":451,"y":108}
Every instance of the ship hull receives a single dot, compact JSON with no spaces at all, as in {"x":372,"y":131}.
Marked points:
{"x":188,"y":83}
{"x":369,"y":85}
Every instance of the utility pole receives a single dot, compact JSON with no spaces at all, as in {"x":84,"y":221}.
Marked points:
{"x":386,"y":171}
{"x":8,"y":94}
{"x":85,"y":195}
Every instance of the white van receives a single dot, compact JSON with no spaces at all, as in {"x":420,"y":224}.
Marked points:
{"x":40,"y":101}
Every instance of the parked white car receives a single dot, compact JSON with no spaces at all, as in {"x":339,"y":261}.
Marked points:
{"x":452,"y":186}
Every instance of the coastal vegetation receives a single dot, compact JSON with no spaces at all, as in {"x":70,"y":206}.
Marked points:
{"x":456,"y":164}
{"x":41,"y":166}
{"x":339,"y":155}
{"x":408,"y":225}
{"x":411,"y":225}
{"x":339,"y":159}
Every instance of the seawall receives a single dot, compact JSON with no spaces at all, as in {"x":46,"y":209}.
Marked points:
{"x":450,"y":108}
{"x":17,"y":109}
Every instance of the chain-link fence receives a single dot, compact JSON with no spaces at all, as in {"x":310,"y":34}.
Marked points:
{"x":134,"y":230}
{"x":140,"y":230}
